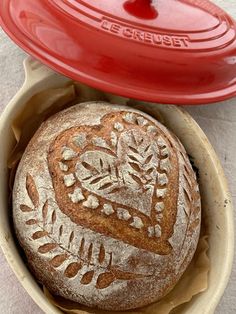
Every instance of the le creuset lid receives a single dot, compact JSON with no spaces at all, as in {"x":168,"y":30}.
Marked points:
{"x":170,"y":51}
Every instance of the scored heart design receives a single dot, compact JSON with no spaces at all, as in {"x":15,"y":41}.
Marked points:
{"x":118,"y":179}
{"x":114,"y":178}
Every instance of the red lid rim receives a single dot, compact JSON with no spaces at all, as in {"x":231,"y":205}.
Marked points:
{"x":183,"y":99}
{"x":123,"y":90}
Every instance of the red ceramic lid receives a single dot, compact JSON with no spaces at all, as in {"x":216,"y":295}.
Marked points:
{"x":170,"y":51}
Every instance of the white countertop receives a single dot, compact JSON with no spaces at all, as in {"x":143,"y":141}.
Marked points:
{"x":218,"y":122}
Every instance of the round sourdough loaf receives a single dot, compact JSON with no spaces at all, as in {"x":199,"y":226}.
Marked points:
{"x":106,"y":206}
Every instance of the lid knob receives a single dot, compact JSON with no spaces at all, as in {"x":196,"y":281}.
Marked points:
{"x":143,"y":9}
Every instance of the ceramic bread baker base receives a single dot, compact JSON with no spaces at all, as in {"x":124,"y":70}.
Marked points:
{"x":24,"y":125}
{"x":216,"y":199}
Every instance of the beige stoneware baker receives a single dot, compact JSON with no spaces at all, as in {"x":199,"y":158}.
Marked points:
{"x":218,"y":211}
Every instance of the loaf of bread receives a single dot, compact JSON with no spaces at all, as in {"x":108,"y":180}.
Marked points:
{"x":106,"y":206}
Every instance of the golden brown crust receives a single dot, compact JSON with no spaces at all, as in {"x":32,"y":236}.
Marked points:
{"x":106,"y":202}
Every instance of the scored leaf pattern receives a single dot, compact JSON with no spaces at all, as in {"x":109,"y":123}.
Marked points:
{"x":108,"y":175}
{"x":32,"y":190}
{"x":45,"y":211}
{"x":47,"y":247}
{"x":39,"y":234}
{"x":102,"y":254}
{"x":25,"y":208}
{"x":72,"y":269}
{"x":103,"y":279}
{"x":58,"y":260}
{"x":101,"y":173}
{"x":139,"y":160}
{"x":31,"y":222}
{"x":192,"y":204}
{"x":87,"y":277}
{"x":142,"y":162}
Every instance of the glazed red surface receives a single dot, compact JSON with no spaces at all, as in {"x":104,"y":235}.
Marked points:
{"x":181,"y":52}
